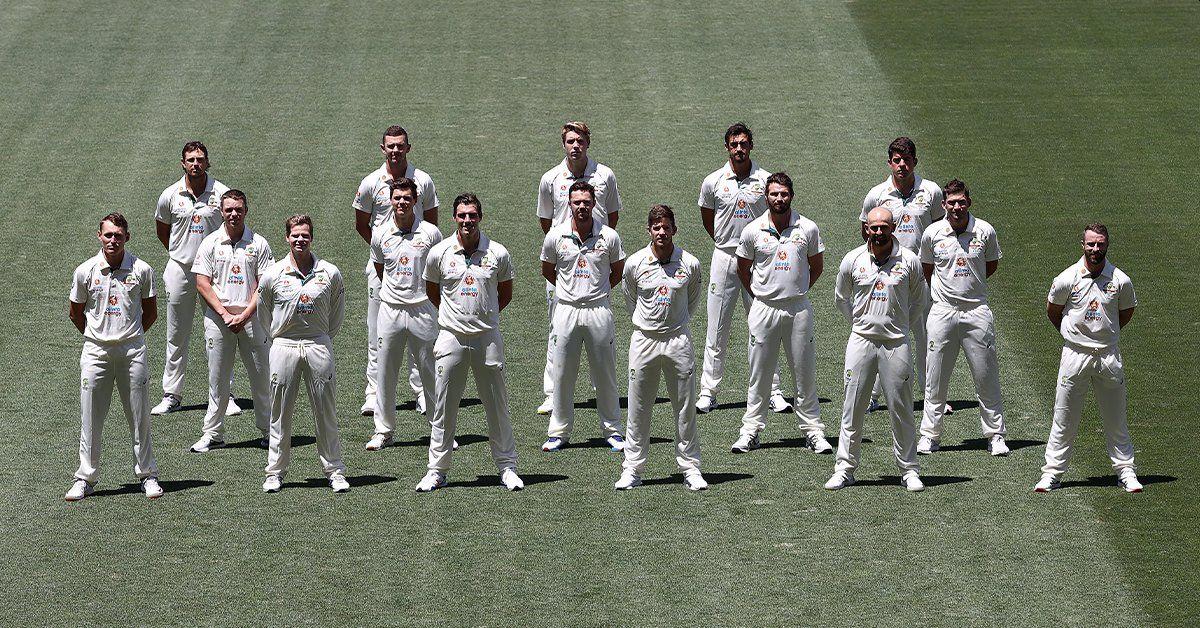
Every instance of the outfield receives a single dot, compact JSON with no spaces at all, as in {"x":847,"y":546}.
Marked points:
{"x":1055,"y":115}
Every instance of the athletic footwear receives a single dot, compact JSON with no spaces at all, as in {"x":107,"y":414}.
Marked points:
{"x":206,"y":444}
{"x":554,"y":443}
{"x":616,"y":441}
{"x":510,"y":479}
{"x":875,"y":405}
{"x":368,"y":407}
{"x":152,"y":488}
{"x":272,"y":484}
{"x":780,"y":404}
{"x":169,"y":403}
{"x":377,"y":442}
{"x":949,"y":410}
{"x":628,"y":480}
{"x":454,"y":445}
{"x":706,"y":404}
{"x":1047,"y":483}
{"x":694,"y":481}
{"x":928,"y":445}
{"x":912,"y":482}
{"x":419,"y":403}
{"x":432,"y":481}
{"x":264,"y":442}
{"x":339,"y":483}
{"x":1129,"y":482}
{"x":79,"y":489}
{"x":997,"y":446}
{"x":547,"y":407}
{"x":839,"y":480}
{"x":818,"y":444}
{"x":745,"y":443}
{"x":232,"y":408}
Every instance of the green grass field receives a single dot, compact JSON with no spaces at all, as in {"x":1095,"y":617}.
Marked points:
{"x":1056,"y":114}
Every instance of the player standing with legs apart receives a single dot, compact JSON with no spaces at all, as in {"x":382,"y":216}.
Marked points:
{"x":780,"y":255}
{"x":662,"y":287}
{"x":958,"y":254}
{"x":229,"y":264}
{"x":1089,"y":303}
{"x":583,"y":259}
{"x":112,"y":305}
{"x":881,"y":291}
{"x":553,"y":209}
{"x":730,"y":198}
{"x":469,"y":279}
{"x":372,"y":208}
{"x":303,"y":300}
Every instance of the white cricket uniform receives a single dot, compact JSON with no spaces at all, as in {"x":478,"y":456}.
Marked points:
{"x":374,"y":197}
{"x":583,"y":318}
{"x":960,"y":318}
{"x":882,"y":302}
{"x":735,"y":204}
{"x":303,"y":313}
{"x":1091,"y":355}
{"x":781,"y":314}
{"x":191,"y":218}
{"x":469,"y":340}
{"x":913,"y":214}
{"x":554,"y":205}
{"x":406,"y":317}
{"x":114,"y":352}
{"x":235,"y":268}
{"x":661,"y":295}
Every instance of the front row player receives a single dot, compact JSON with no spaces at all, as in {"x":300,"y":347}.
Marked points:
{"x":1089,"y":303}
{"x":662,"y":287}
{"x":112,"y":305}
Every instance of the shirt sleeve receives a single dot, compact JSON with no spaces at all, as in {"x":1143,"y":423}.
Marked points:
{"x":433,"y":267}
{"x":1060,"y":290}
{"x":545,"y":201}
{"x":376,"y":248}
{"x":549,"y":252}
{"x":162,"y":211}
{"x":695,"y":287}
{"x":745,"y":248}
{"x":265,"y":258}
{"x":629,"y":287}
{"x":612,"y":200}
{"x":991,"y":247}
{"x":843,"y":291}
{"x":429,"y":198}
{"x":266,"y":299}
{"x":868,"y":204}
{"x":337,"y":303}
{"x":814,"y":235}
{"x":147,"y":279}
{"x":1126,"y":298}
{"x":79,"y":286}
{"x":916,"y":293}
{"x":936,"y":211}
{"x":504,"y":268}
{"x":926,"y":250}
{"x":203,"y":264}
{"x":362,"y":198}
{"x":707,"y":198}
{"x":616,"y":251}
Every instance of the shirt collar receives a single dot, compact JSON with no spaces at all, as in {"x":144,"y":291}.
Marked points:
{"x":396,"y":229}
{"x":247,"y":236}
{"x":126,"y":261}
{"x":569,"y":230}
{"x":384,"y":175}
{"x":291,"y":266}
{"x":588,"y":170}
{"x":1107,"y":271}
{"x":892,"y":189}
{"x":457,"y":247}
{"x":896,"y":252}
{"x":727,"y":172}
{"x":208,"y":185}
{"x":676,"y":254}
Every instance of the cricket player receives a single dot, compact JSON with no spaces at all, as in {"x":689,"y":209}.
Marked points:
{"x":112,"y":305}
{"x":915,"y":204}
{"x":186,"y":213}
{"x":583,"y":259}
{"x":881,"y":291}
{"x":958,"y":254}
{"x":302,"y":298}
{"x":553,"y":209}
{"x":372,"y":208}
{"x":407,"y":319}
{"x":662,"y":287}
{"x":780,"y":255}
{"x":1089,"y":303}
{"x":730,"y":199}
{"x":228,"y":266}
{"x":469,"y":279}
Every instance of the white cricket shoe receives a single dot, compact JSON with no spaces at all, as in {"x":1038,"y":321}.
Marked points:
{"x":378,"y":441}
{"x":169,"y":403}
{"x":232,"y":408}
{"x":745,"y":444}
{"x":510,"y":479}
{"x":547,"y":407}
{"x":949,"y":410}
{"x":839,"y":480}
{"x":206,"y":444}
{"x":780,"y":404}
{"x":432,"y":481}
{"x":694,"y":481}
{"x":339,"y":483}
{"x":1047,"y":483}
{"x":616,"y":442}
{"x":997,"y":446}
{"x":706,"y":404}
{"x":368,"y":407}
{"x":554,"y":443}
{"x":152,"y":488}
{"x":628,"y":480}
{"x":1129,"y":482}
{"x":912,"y":482}
{"x":272,"y":484}
{"x":419,"y":403}
{"x":818,"y":444}
{"x":79,"y":489}
{"x":927,"y":445}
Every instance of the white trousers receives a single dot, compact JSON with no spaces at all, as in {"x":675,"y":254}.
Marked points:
{"x":1078,"y":371}
{"x":974,"y":331}
{"x":100,"y":367}
{"x":891,"y":362}
{"x":918,"y":349}
{"x":482,"y":355}
{"x":254,"y":346}
{"x":575,"y":329}
{"x":312,"y":361}
{"x":548,"y":373}
{"x":670,"y":356}
{"x":403,"y":327}
{"x":724,"y":289}
{"x":791,"y":326}
{"x":181,"y":313}
{"x":374,"y":285}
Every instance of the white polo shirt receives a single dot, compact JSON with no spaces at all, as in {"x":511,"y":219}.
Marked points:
{"x":960,"y":261}
{"x":374,"y":195}
{"x":554,"y":192}
{"x":303,"y":307}
{"x":233,"y":266}
{"x":880,"y":301}
{"x":779,"y":269}
{"x":1091,"y":304}
{"x":583,"y":267}
{"x":913,"y":213}
{"x":112,"y":297}
{"x":402,"y":253}
{"x":469,"y":284}
{"x":661,"y":295}
{"x":191,"y":218}
{"x":734,"y":202}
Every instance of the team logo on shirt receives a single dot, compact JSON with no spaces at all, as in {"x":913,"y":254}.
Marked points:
{"x":469,"y":280}
{"x":96,"y":281}
{"x":781,"y":262}
{"x":976,"y":246}
{"x":741,"y":203}
{"x":1093,"y":311}
{"x":306,"y":305}
{"x":879,"y":292}
{"x":681,"y":274}
{"x":1110,"y":288}
{"x":196,"y":220}
{"x":131,"y":280}
{"x":404,"y":260}
{"x":112,"y":300}
{"x":112,"y":309}
{"x":961,"y":269}
{"x":782,"y":255}
{"x":663,"y":297}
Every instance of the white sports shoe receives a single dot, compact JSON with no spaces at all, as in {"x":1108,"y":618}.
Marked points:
{"x":554,"y":443}
{"x":745,"y":443}
{"x":628,"y":480}
{"x":339,"y":483}
{"x":272,"y":484}
{"x":839,"y":480}
{"x":694,"y":481}
{"x":368,"y":407}
{"x":206,"y":443}
{"x":377,"y":442}
{"x":454,"y":445}
{"x":997,"y":446}
{"x":79,"y":489}
{"x":169,"y":403}
{"x":432,"y":481}
{"x":616,"y":442}
{"x":152,"y":488}
{"x":949,"y":410}
{"x":706,"y":404}
{"x":818,"y":444}
{"x":928,"y":445}
{"x":1047,"y":483}
{"x":912,"y":482}
{"x":510,"y":479}
{"x":1129,"y":482}
{"x":780,"y":404}
{"x":547,"y":407}
{"x":232,"y":408}
{"x":420,"y":404}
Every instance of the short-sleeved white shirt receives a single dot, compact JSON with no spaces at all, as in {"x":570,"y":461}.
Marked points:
{"x":303,"y":307}
{"x":881,"y":301}
{"x":960,"y":261}
{"x":734,"y":202}
{"x":1091,"y":305}
{"x":374,"y":195}
{"x":583,"y":267}
{"x":402,"y":253}
{"x":779,"y":269}
{"x":112,"y":297}
{"x":233,"y":266}
{"x":661,"y":296}
{"x":191,"y":218}
{"x":913,"y":213}
{"x":554,"y":192}
{"x":469,"y":284}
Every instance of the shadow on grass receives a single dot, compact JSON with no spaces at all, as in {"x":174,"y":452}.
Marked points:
{"x":463,"y":441}
{"x":297,"y":441}
{"x":929,"y":480}
{"x":624,"y":401}
{"x":355,"y":481}
{"x":800,"y":443}
{"x":712,"y":478}
{"x":168,"y":486}
{"x":1109,"y":481}
{"x":493,"y":481}
{"x":980,"y":444}
{"x":919,"y":406}
{"x":597,"y":442}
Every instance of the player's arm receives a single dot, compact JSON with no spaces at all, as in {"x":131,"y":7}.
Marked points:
{"x":362,"y":224}
{"x":816,"y":266}
{"x":204,"y":287}
{"x":629,"y":289}
{"x":916,"y":296}
{"x":743,"y":273}
{"x":430,"y":215}
{"x":990,"y":267}
{"x":149,"y":313}
{"x":337,"y":303}
{"x":550,"y":272}
{"x":708,"y":216}
{"x":163,"y":231}
{"x":843,"y":292}
{"x":928,"y":270}
{"x":379,"y":270}
{"x":545,"y":203}
{"x":504,"y":293}
{"x":434,"y":292}
{"x":695,"y":288}
{"x":1124,"y":316}
{"x":1054,"y":312}
{"x":546,"y":224}
{"x":612,"y":219}
{"x":77,"y":316}
{"x":614,"y":273}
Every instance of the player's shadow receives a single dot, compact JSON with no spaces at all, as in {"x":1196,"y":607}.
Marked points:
{"x":411,"y":405}
{"x":624,"y":401}
{"x":919,"y":406}
{"x":423,"y":441}
{"x":928,"y":480}
{"x":980,"y":444}
{"x":493,"y":481}
{"x":297,"y":441}
{"x":712,"y":478}
{"x":244,"y":404}
{"x":355,"y":481}
{"x":168,"y":486}
{"x":1108,"y":481}
{"x":802,"y":443}
{"x":598,"y":442}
